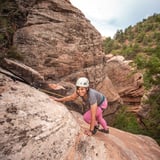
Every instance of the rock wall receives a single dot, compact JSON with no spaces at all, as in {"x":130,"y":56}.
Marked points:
{"x":33,"y":126}
{"x":57,"y":40}
{"x":61,"y":44}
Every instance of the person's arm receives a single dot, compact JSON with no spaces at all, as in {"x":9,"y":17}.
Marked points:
{"x":67,"y":98}
{"x":93,"y":120}
{"x":93,"y":116}
{"x":64,"y":99}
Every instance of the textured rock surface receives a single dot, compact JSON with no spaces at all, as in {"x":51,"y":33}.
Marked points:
{"x":61,"y":44}
{"x":33,"y":126}
{"x":58,"y":40}
{"x":127,"y":83}
{"x":28,"y":74}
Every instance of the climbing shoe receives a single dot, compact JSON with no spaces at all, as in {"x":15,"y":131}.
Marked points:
{"x":95,"y":129}
{"x":104,"y":130}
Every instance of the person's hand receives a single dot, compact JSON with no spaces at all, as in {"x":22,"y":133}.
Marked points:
{"x":88,"y":133}
{"x":55,"y":86}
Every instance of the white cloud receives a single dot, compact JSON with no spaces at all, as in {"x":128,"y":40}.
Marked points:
{"x":109,"y":16}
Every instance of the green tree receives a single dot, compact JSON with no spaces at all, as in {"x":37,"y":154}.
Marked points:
{"x":127,"y":121}
{"x":108,"y":45}
{"x":119,"y":36}
{"x":140,"y":37}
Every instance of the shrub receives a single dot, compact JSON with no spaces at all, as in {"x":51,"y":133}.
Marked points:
{"x":126,"y":121}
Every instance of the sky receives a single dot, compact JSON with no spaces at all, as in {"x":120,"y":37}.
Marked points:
{"x":108,"y":16}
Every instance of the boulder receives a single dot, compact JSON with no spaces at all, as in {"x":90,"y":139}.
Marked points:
{"x":33,"y":126}
{"x":57,"y":40}
{"x":127,"y":83}
{"x":22,"y":71}
{"x":59,"y":43}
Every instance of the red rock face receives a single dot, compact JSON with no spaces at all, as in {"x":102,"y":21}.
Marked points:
{"x":62,"y":45}
{"x":33,"y":126}
{"x":58,"y":40}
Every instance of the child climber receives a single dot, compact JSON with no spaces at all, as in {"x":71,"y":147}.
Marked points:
{"x":96,"y":101}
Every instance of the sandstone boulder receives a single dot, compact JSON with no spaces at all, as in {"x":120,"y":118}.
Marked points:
{"x":22,"y":71}
{"x":61,"y":44}
{"x":127,"y":83}
{"x":33,"y":126}
{"x":57,"y":40}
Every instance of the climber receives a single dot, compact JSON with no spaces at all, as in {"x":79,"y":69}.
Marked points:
{"x":95,"y":101}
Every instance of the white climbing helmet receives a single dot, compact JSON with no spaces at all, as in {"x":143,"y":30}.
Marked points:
{"x":82,"y":82}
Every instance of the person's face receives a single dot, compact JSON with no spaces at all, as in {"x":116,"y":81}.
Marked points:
{"x":82,"y":91}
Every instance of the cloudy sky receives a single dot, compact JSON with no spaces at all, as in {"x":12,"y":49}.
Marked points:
{"x":108,"y":16}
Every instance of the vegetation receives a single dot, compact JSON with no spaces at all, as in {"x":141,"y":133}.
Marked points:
{"x":153,"y":124}
{"x":127,"y":121}
{"x":141,"y":43}
{"x":11,"y":18}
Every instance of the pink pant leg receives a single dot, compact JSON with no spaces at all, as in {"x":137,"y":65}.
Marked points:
{"x":99,"y":117}
{"x":87,"y":116}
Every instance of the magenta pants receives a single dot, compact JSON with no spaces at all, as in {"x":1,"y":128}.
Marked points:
{"x":99,"y":115}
